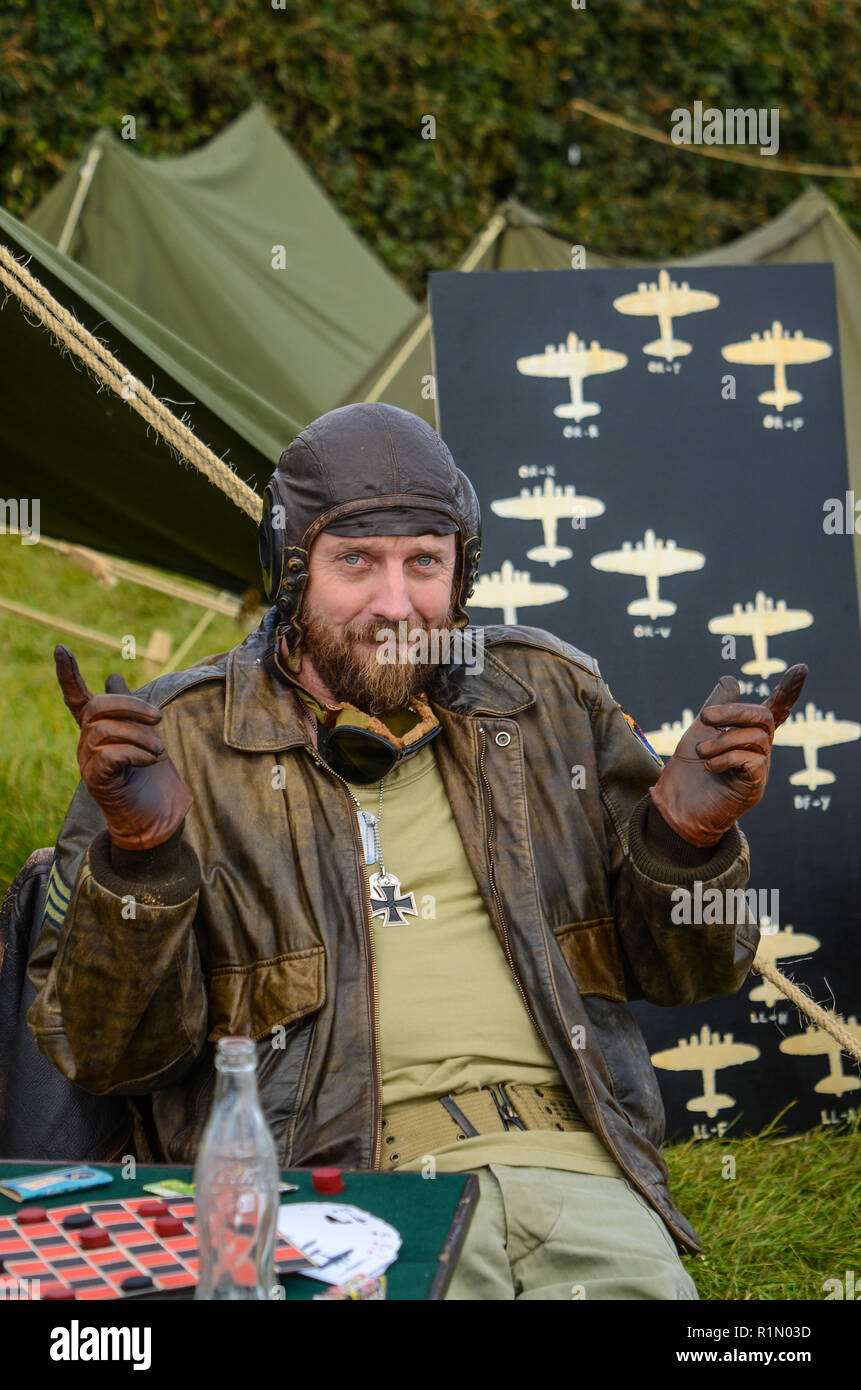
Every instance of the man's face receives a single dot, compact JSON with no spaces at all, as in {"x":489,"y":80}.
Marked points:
{"x":358,"y":586}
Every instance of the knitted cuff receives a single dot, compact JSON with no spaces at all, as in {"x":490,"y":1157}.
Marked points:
{"x":664,"y":856}
{"x":167,"y":875}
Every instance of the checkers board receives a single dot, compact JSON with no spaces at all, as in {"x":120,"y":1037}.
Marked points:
{"x":103,"y":1250}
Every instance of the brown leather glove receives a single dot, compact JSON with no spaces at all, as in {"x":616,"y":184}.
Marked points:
{"x":123,"y":761}
{"x":710,"y":781}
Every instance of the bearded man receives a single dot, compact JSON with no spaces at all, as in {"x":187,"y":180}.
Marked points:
{"x":387,"y":869}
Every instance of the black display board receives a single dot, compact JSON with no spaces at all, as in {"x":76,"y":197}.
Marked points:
{"x":659,"y":457}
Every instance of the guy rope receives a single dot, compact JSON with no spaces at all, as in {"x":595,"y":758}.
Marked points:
{"x":69,"y":333}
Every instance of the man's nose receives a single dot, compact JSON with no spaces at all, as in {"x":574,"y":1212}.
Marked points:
{"x":392,"y":599}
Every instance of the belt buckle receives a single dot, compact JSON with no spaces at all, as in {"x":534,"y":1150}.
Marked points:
{"x":505,"y":1109}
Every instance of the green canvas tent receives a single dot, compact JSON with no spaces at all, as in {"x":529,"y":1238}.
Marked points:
{"x":194,"y":242}
{"x":102,"y":477}
{"x":809,"y":229}
{"x":170,"y":263}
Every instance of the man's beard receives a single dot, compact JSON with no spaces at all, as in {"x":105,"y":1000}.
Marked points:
{"x":359,"y":678}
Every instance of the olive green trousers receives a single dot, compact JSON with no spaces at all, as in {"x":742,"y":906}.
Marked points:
{"x":546,"y":1233}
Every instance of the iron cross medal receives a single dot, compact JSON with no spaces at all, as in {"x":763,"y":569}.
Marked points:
{"x":386,"y":892}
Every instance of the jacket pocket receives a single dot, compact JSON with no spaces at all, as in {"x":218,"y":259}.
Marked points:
{"x":251,"y":1000}
{"x":591,"y":952}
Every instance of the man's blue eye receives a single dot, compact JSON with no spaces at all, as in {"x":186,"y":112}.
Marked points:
{"x":352,"y":556}
{"x":429,"y":558}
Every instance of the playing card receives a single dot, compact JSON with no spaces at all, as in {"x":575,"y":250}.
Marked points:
{"x":342,"y":1241}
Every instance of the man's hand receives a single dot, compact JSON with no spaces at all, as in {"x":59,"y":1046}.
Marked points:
{"x":123,"y":761}
{"x":710,"y":781}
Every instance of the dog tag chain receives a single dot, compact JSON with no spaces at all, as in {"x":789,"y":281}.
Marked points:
{"x":387,"y":901}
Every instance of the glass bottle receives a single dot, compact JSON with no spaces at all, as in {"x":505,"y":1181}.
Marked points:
{"x":236,"y":1184}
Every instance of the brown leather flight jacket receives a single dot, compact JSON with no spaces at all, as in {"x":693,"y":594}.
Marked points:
{"x":257,"y":922}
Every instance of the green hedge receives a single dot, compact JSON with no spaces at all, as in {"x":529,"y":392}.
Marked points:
{"x":349,"y":82}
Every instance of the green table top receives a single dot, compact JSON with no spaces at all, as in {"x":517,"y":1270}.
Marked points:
{"x":430,"y":1214}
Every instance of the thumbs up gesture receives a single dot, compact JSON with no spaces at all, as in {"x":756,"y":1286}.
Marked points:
{"x":721,"y":764}
{"x":123,"y":761}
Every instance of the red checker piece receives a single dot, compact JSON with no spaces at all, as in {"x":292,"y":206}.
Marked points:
{"x":55,"y":1292}
{"x":32,"y":1216}
{"x":327,"y":1180}
{"x":153,"y":1208}
{"x":169,"y":1226}
{"x":95,"y":1238}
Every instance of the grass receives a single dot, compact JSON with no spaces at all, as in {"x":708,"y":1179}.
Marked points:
{"x":38,"y":736}
{"x":788,"y":1220}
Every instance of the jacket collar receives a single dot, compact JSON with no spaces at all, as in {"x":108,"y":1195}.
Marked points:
{"x":261,"y":714}
{"x":495,"y":690}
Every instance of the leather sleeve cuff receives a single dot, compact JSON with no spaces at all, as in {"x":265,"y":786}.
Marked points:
{"x":164,"y":876}
{"x":660,"y":854}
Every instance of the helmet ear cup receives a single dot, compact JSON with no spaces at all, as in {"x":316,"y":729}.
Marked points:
{"x":265,"y":548}
{"x":472,"y":551}
{"x":283,"y":566}
{"x":465,"y":580}
{"x":272,"y":540}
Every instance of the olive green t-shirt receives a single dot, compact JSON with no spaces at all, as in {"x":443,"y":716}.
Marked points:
{"x":451,"y":1015}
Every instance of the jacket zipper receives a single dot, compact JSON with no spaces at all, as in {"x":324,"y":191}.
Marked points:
{"x":377,"y":1136}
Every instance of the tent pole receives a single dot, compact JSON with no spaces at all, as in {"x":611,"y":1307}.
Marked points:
{"x":397,"y":362}
{"x":487,"y":238}
{"x":85,"y":178}
{"x":471,"y":259}
{"x":200,"y":627}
